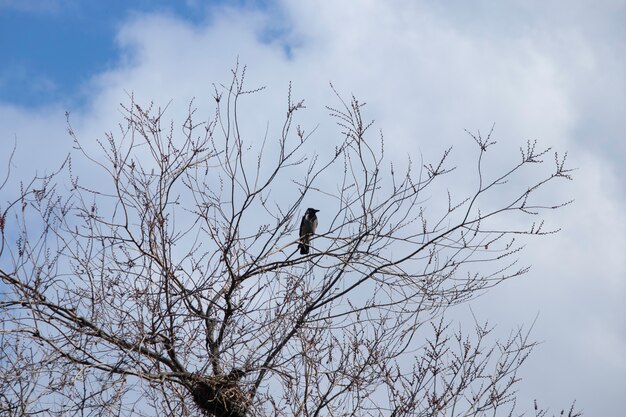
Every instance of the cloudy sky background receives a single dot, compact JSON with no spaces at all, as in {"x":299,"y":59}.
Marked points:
{"x":550,"y":70}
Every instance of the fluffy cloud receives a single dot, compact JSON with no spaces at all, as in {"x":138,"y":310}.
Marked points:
{"x":427,"y":71}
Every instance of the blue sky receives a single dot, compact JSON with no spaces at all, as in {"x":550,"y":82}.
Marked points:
{"x":51,"y":48}
{"x":552,"y":70}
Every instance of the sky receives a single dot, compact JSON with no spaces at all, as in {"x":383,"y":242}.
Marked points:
{"x":551,"y":70}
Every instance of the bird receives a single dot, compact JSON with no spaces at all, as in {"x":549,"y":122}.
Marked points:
{"x":307,"y":229}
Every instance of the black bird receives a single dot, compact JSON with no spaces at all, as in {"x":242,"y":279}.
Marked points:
{"x":307,"y":229}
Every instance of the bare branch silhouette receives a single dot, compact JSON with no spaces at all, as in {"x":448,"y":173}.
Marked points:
{"x":174,"y":286}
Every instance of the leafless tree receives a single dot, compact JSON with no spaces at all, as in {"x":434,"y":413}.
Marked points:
{"x":172,"y":285}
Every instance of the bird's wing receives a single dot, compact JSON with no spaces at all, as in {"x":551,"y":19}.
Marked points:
{"x":302,"y":227}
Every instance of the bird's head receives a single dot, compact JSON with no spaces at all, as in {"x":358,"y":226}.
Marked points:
{"x":311,"y":210}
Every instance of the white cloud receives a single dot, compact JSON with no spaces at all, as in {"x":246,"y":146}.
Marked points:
{"x":427,"y":72}
{"x":577,"y":287}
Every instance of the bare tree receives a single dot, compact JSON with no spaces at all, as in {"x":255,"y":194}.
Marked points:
{"x":175,"y":286}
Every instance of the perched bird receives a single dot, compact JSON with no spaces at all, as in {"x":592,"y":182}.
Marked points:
{"x":307,"y":229}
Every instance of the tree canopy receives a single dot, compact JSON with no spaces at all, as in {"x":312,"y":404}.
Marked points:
{"x":176,"y":286}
